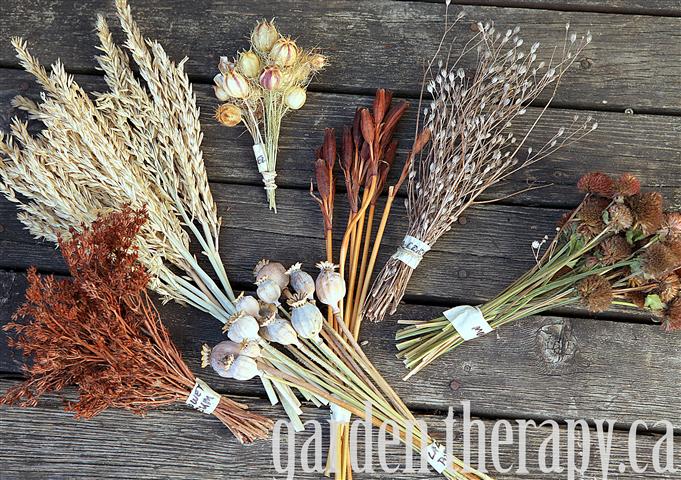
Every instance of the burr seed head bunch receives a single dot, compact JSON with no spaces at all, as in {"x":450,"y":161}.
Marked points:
{"x":473,"y":142}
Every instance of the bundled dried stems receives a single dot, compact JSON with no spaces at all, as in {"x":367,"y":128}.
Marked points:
{"x":472,"y":147}
{"x":367,"y":153}
{"x":618,"y":247}
{"x":138,"y":144}
{"x":259,"y":87}
{"x":298,"y":347}
{"x":100,"y":332}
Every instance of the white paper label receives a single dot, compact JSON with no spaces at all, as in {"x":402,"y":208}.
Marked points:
{"x":203,"y":398}
{"x":339,"y":414}
{"x":260,"y":157}
{"x":468,"y":321}
{"x":437,"y":457}
{"x":412,"y":251}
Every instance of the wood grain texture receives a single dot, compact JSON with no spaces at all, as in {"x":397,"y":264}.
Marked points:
{"x":543,"y":367}
{"x":646,"y":145}
{"x":628,"y":64}
{"x":644,"y":7}
{"x":117,"y":444}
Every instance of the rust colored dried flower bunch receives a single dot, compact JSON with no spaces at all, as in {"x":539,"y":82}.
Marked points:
{"x":618,"y":247}
{"x":473,"y":148}
{"x":100,"y":332}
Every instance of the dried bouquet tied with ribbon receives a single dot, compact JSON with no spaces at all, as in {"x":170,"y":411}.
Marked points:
{"x":298,"y":347}
{"x":260,"y":87}
{"x":100,"y":332}
{"x":366,"y":155}
{"x":618,"y":247}
{"x":472,"y":147}
{"x":138,"y":144}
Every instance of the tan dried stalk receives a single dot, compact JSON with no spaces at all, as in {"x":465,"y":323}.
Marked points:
{"x":472,"y":147}
{"x":138,"y":144}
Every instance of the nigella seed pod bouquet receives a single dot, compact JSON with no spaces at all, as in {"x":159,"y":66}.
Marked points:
{"x":259,"y":87}
{"x":295,"y":349}
{"x":618,"y":247}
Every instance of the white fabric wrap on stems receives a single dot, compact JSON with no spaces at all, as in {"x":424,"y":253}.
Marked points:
{"x":203,"y":398}
{"x":436,"y":457}
{"x":468,"y":321}
{"x":411,"y":251}
{"x":339,"y":414}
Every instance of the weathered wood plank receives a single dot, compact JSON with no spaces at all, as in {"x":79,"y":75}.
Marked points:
{"x":544,"y":367}
{"x":615,"y":71}
{"x":647,"y":145}
{"x":45,"y":442}
{"x":644,"y":7}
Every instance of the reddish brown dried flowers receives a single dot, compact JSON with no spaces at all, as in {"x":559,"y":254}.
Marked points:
{"x":100,"y":332}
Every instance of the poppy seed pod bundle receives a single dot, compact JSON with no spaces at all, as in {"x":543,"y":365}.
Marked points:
{"x":302,"y":282}
{"x":330,"y":285}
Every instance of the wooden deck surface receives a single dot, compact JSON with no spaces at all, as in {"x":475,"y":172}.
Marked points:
{"x":568,"y":365}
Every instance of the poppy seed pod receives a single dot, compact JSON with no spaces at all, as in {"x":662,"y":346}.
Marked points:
{"x":247,"y":304}
{"x":270,"y":78}
{"x":243,"y":368}
{"x":274,"y":270}
{"x":249,"y":64}
{"x":281,"y":331}
{"x":250,"y":349}
{"x":305,"y":317}
{"x":302,"y":282}
{"x":222,"y":356}
{"x":284,"y":52}
{"x":268,"y":290}
{"x":330,"y":286}
{"x":264,"y":36}
{"x":242,"y":327}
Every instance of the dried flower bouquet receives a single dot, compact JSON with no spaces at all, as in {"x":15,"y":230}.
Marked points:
{"x":136,"y":144}
{"x":469,"y":121}
{"x":299,"y":347}
{"x":100,"y":332}
{"x":618,"y":247}
{"x":260,"y":87}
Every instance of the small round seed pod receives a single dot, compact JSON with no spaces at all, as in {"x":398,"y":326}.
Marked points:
{"x":228,"y":115}
{"x":222,"y":356}
{"x":295,"y":98}
{"x":264,"y":36}
{"x":243,"y":368}
{"x":271,"y":78}
{"x":302,"y":282}
{"x":250,"y":349}
{"x":281,"y":331}
{"x":268,"y":290}
{"x":242,"y":328}
{"x":247,"y":304}
{"x":284,"y":52}
{"x":274,"y":270}
{"x":249,"y":64}
{"x":306,"y":318}
{"x":330,"y":286}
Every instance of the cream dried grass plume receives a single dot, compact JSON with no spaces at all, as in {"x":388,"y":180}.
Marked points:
{"x":138,"y":144}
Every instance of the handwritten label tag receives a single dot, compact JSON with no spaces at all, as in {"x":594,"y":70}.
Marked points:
{"x":203,"y":398}
{"x":260,"y":157}
{"x":437,"y":457}
{"x":468,"y":321}
{"x":412,"y":251}
{"x":339,"y":414}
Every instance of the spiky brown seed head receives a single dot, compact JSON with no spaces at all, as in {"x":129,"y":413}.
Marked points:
{"x":658,"y":260}
{"x":668,"y":288}
{"x":672,"y":319}
{"x":596,"y":293}
{"x":647,"y":210}
{"x":597,"y":183}
{"x":627,"y":185}
{"x":615,"y":249}
{"x":621,"y":217}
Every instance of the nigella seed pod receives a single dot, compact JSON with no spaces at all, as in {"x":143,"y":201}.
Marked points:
{"x":270,"y":78}
{"x":264,"y":36}
{"x":274,"y":270}
{"x":250,"y":349}
{"x":306,"y":318}
{"x":231,"y":83}
{"x":243,"y":368}
{"x":295,"y":98}
{"x":268,"y":290}
{"x":222,"y":356}
{"x":302,"y":282}
{"x":318,"y":62}
{"x":330,"y":286}
{"x":249,"y":64}
{"x":247,"y":304}
{"x":242,"y":328}
{"x":281,"y":331}
{"x":284,"y":52}
{"x":228,"y":114}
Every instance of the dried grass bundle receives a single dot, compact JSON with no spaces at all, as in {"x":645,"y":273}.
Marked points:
{"x":137,"y":144}
{"x":100,"y":332}
{"x":472,"y":147}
